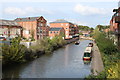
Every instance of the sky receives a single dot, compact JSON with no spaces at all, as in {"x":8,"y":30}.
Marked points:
{"x":82,"y":12}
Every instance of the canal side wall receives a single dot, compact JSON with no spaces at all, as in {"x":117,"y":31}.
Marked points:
{"x":97,"y":63}
{"x":72,"y":40}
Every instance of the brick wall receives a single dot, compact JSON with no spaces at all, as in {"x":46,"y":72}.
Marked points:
{"x":68,"y":27}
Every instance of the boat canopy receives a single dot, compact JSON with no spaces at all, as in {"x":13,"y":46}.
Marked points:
{"x":88,"y":50}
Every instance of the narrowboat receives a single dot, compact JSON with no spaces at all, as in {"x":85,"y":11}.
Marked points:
{"x":90,"y":45}
{"x":87,"y":53}
{"x":77,"y":43}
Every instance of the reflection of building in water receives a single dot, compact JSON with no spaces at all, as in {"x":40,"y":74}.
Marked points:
{"x":66,"y":55}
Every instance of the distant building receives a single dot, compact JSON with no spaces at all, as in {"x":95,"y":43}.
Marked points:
{"x":76,"y":29}
{"x":9,"y":28}
{"x":35,"y":27}
{"x":115,"y":25}
{"x":68,"y":27}
{"x":106,"y":30}
{"x":56,"y":31}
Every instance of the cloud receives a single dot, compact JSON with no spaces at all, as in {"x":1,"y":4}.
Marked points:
{"x":88,"y":10}
{"x":14,"y":11}
{"x":79,"y":22}
{"x":25,"y":11}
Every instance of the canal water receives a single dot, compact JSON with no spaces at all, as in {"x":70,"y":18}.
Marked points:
{"x":65,"y":62}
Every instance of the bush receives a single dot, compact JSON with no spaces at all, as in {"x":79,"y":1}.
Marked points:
{"x":110,"y":54}
{"x":105,"y":45}
{"x":14,"y":52}
{"x":48,"y":45}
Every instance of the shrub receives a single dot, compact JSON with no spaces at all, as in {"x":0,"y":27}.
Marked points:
{"x":110,"y":54}
{"x":14,"y":52}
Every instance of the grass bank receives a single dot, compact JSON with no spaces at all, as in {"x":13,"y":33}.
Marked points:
{"x":110,"y":56}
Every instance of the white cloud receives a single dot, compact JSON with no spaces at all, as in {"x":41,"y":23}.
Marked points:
{"x":77,"y":22}
{"x":14,"y":11}
{"x":25,"y":11}
{"x":88,"y":10}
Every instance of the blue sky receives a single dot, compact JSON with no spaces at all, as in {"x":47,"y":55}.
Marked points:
{"x":89,"y":12}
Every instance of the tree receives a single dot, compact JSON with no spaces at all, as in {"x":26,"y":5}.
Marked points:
{"x":14,"y":52}
{"x":32,"y":35}
{"x":85,"y":28}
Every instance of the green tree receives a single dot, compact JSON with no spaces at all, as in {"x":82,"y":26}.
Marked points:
{"x":14,"y":52}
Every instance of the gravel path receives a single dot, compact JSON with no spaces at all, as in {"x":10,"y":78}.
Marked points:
{"x":97,"y":63}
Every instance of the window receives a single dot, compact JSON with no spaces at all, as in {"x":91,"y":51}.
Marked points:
{"x":66,"y":28}
{"x":26,"y":31}
{"x":67,"y":36}
{"x":41,"y":31}
{"x":51,"y":32}
{"x":66,"y":24}
{"x":41,"y":24}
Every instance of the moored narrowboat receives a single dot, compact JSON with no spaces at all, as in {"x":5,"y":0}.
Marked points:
{"x":88,"y":53}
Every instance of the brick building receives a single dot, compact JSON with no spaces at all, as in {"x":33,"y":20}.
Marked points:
{"x":115,"y":25}
{"x":68,"y":27}
{"x":56,"y":31}
{"x":35,"y":27}
{"x":76,"y":29}
{"x":9,"y":28}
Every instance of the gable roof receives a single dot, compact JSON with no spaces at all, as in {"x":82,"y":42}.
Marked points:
{"x":55,"y":29}
{"x":8,"y":23}
{"x":27,"y":19}
{"x":60,"y":21}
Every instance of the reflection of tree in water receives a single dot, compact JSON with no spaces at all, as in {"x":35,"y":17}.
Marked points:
{"x":13,"y":70}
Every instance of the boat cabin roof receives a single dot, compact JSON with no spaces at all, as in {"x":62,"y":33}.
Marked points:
{"x":88,"y":49}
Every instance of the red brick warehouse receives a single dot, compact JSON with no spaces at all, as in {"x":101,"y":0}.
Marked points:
{"x":34,"y":26}
{"x":56,"y":31}
{"x":70,"y":28}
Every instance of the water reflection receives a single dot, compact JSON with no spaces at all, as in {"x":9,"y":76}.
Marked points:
{"x":87,"y":62}
{"x":66,"y":62}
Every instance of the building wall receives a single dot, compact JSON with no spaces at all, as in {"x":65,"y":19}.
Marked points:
{"x":76,"y":29}
{"x":43,"y":29}
{"x":68,"y":27}
{"x":56,"y":33}
{"x":28,"y":27}
{"x":38,"y":27}
{"x":12,"y":32}
{"x":113,"y":25}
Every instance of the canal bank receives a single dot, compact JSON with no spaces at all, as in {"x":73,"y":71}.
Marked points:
{"x":65,"y":62}
{"x":97,"y":63}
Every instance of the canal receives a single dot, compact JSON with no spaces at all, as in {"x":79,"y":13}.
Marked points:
{"x":65,"y":62}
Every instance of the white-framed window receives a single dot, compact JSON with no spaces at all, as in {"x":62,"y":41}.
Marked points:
{"x":66,"y":24}
{"x":41,"y":24}
{"x":66,"y":36}
{"x":61,"y":24}
{"x":66,"y":32}
{"x":26,"y":31}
